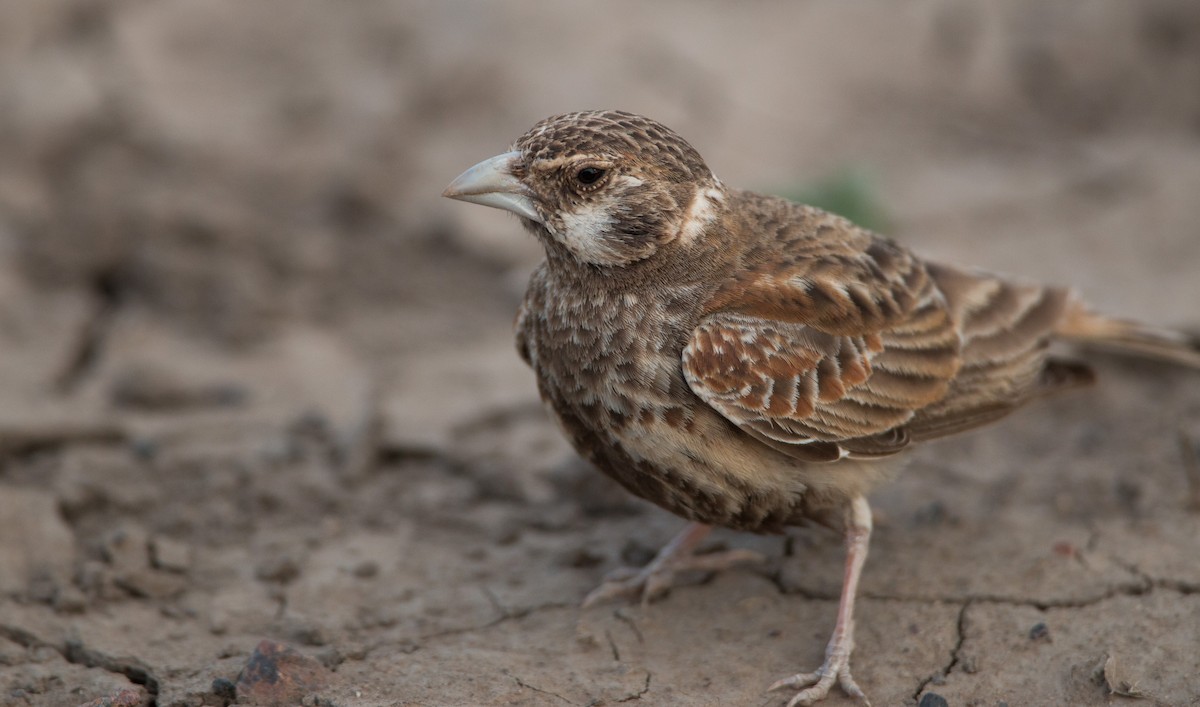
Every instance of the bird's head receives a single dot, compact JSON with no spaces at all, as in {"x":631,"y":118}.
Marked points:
{"x":605,"y":188}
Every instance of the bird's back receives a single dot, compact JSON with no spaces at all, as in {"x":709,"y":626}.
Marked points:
{"x":828,"y":339}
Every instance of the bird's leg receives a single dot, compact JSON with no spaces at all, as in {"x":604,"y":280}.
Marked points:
{"x":677,"y":556}
{"x":837,"y":653}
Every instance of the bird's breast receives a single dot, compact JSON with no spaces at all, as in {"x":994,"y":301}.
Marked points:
{"x":609,"y":369}
{"x":611,"y":358}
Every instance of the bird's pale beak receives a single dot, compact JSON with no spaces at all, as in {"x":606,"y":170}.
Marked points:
{"x":491,"y":183}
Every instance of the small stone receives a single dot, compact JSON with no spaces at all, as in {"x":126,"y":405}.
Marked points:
{"x":934,"y":514}
{"x":366,"y":569}
{"x":277,"y":674}
{"x":553,"y":519}
{"x":144,"y":449}
{"x":586,"y":639}
{"x":1064,"y":548}
{"x":932,"y":699}
{"x":330,"y":657}
{"x":300,"y":630}
{"x":636,"y":554}
{"x":70,"y":600}
{"x":152,"y":584}
{"x":1128,"y":493}
{"x":581,"y":558}
{"x":1039,"y":632}
{"x":170,"y":555}
{"x":127,"y":549}
{"x":153,"y":388}
{"x":280,"y":568}
{"x":98,"y":581}
{"x":1118,"y":680}
{"x":224,"y":689}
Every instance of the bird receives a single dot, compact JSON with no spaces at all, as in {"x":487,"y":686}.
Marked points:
{"x":749,"y":362}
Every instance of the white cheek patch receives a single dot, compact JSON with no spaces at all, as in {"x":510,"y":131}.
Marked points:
{"x":584,"y":231}
{"x":700,"y":213}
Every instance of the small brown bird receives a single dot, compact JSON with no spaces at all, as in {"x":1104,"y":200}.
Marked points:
{"x":748,"y":362}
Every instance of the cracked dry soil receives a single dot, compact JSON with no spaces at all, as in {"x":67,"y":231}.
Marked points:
{"x":256,"y":383}
{"x":1048,"y":560}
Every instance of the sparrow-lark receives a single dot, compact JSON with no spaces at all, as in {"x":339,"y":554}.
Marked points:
{"x":753,"y":363}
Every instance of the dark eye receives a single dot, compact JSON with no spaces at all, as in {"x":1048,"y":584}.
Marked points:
{"x":589,"y":175}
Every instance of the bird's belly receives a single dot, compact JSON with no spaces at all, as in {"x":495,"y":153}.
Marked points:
{"x":665,"y":445}
{"x":615,"y":384}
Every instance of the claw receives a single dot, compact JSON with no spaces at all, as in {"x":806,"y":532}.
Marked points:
{"x":656,"y":578}
{"x":818,"y":684}
{"x":798,"y":680}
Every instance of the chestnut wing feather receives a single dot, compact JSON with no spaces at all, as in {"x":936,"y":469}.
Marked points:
{"x":809,"y":393}
{"x":835,"y":350}
{"x":835,"y":341}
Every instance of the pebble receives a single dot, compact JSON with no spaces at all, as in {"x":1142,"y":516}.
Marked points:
{"x":277,"y":674}
{"x":366,"y":569}
{"x":1039,"y":632}
{"x":224,"y":689}
{"x":127,"y":549}
{"x":279,"y":568}
{"x":152,"y":584}
{"x":70,"y":600}
{"x":170,"y":555}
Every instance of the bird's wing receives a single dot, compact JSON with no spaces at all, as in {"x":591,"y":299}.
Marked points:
{"x":828,"y":344}
{"x":837,"y":342}
{"x":1006,"y":328}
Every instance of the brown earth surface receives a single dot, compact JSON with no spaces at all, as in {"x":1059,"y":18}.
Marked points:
{"x":257,"y":379}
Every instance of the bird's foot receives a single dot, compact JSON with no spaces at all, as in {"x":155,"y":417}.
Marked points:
{"x":817,"y":684}
{"x":653,"y":580}
{"x":657,"y":577}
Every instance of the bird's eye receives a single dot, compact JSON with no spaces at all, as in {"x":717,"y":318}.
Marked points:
{"x":589,"y":175}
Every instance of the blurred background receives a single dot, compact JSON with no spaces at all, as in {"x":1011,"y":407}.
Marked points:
{"x":223,"y":255}
{"x":232,"y":165}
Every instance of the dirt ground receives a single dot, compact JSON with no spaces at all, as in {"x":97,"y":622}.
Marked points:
{"x":257,"y":380}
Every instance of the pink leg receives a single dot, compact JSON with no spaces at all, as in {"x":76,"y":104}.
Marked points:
{"x":657,"y":577}
{"x":837,"y":653}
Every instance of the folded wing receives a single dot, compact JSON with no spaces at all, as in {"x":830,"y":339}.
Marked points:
{"x":836,"y":342}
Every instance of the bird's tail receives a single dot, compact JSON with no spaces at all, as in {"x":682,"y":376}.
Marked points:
{"x":1081,"y":325}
